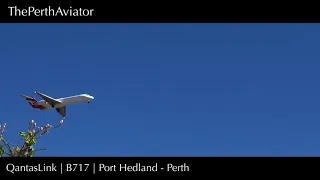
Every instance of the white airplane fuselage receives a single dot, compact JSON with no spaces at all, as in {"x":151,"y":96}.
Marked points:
{"x":82,"y":98}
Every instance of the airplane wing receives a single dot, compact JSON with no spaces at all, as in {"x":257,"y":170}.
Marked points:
{"x":62,"y":111}
{"x":48,"y":99}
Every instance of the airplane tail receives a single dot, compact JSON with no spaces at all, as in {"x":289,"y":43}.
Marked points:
{"x":31,"y":100}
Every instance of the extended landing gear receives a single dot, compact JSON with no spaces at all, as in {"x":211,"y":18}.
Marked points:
{"x":88,"y":102}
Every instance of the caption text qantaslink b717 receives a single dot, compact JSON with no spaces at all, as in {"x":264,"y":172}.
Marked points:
{"x":31,"y":168}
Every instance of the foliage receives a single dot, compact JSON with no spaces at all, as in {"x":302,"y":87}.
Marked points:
{"x":28,"y":138}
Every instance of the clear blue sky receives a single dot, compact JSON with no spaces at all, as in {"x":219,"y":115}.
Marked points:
{"x":167,"y":89}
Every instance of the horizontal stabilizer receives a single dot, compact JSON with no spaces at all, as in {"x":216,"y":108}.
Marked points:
{"x":26,"y":97}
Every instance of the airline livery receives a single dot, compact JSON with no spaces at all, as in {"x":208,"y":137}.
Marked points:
{"x":60,"y":104}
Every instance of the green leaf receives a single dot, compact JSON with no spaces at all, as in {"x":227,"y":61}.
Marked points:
{"x":32,"y":153}
{"x":32,"y":141}
{"x":17,"y":149}
{"x":1,"y":151}
{"x":6,"y":144}
{"x":27,"y":141}
{"x":23,"y":135}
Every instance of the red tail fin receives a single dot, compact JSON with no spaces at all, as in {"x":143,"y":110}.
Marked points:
{"x":32,"y":101}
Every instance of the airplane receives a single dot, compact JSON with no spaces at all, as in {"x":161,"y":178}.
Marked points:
{"x":60,"y":104}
